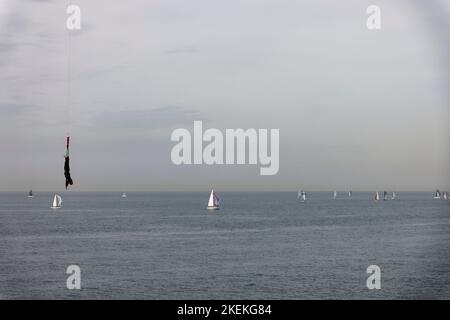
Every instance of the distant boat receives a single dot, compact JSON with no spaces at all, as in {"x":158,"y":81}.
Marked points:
{"x":57,"y":202}
{"x":437,"y":195}
{"x":30,"y":194}
{"x":302,"y":195}
{"x":124,"y":195}
{"x":377,"y":196}
{"x":335,"y":195}
{"x":213,"y":203}
{"x":445,"y":195}
{"x":385,"y":195}
{"x":350,"y":193}
{"x":394,"y":196}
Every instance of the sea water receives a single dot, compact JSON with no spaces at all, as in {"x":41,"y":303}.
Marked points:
{"x":257,"y":246}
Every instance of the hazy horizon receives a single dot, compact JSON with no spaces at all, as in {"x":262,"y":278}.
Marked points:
{"x":342,"y":194}
{"x":357,"y":109}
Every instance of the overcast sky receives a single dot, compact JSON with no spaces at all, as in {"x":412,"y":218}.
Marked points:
{"x":357,"y":109}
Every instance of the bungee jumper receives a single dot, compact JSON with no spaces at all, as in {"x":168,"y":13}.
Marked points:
{"x":69,"y":180}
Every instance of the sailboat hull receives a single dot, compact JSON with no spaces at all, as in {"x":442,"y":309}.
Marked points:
{"x":212,"y":208}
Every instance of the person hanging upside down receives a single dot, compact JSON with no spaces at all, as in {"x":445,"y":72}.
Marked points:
{"x":69,"y":180}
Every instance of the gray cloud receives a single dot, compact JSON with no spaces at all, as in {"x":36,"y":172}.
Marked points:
{"x":8,"y":109}
{"x":438,"y":21}
{"x":138,"y":120}
{"x":16,"y":23}
{"x":7,"y":46}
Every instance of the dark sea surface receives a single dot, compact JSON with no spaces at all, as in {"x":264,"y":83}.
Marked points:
{"x":257,"y":246}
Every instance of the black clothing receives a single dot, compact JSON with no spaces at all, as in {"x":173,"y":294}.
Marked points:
{"x":67,"y":172}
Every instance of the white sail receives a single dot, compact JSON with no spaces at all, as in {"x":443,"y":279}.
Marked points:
{"x":377,"y":196}
{"x":437,"y":195}
{"x":211,"y":199}
{"x":445,"y":195}
{"x":57,"y":201}
{"x":335,"y":194}
{"x":303,"y":195}
{"x":213,"y":202}
{"x":394,"y":195}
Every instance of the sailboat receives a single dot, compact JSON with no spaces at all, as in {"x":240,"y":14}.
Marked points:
{"x":302,"y":195}
{"x":350,"y":193}
{"x":213,"y":203}
{"x":377,"y":196}
{"x":437,"y":195}
{"x":335,"y":195}
{"x":445,"y":195}
{"x":30,"y":194}
{"x":385,"y":195}
{"x":124,"y":195}
{"x":394,"y":195}
{"x":57,"y":202}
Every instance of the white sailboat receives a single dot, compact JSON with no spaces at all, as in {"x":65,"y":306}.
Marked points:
{"x":350,"y":194}
{"x":213,"y":203}
{"x":377,"y":196}
{"x":335,"y":195}
{"x":394,"y":195}
{"x":124,"y":195}
{"x":437,"y":195}
{"x":445,"y":195}
{"x":302,"y":195}
{"x":30,"y":194}
{"x":57,"y":202}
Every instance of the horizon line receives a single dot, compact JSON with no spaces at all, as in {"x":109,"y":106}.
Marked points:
{"x":207,"y":190}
